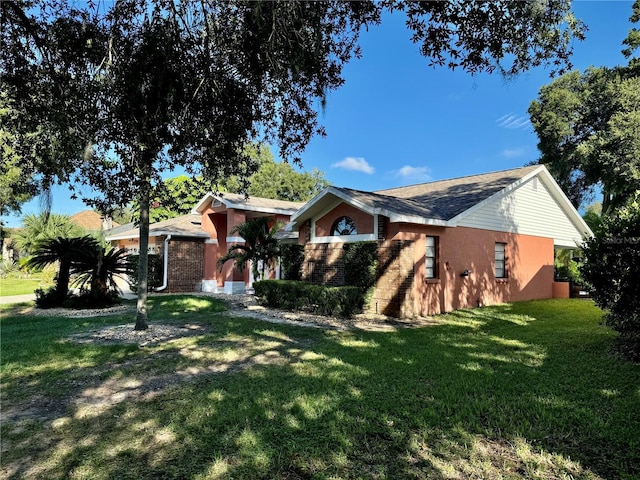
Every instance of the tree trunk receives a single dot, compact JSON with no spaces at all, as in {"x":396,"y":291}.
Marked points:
{"x":62,"y":284}
{"x":143,"y":260}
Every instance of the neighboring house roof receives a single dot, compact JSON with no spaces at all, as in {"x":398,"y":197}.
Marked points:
{"x":89,"y":220}
{"x":254,"y":204}
{"x":184,"y":226}
{"x":447,"y":203}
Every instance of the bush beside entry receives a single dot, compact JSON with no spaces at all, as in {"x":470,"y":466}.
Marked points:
{"x":293,"y":295}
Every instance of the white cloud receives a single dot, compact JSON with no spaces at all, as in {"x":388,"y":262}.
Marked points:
{"x":357,"y":164}
{"x":513,"y":121}
{"x":417,"y":174}
{"x":513,"y":152}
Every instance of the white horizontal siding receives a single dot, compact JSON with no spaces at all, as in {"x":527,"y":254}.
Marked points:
{"x":530,"y":209}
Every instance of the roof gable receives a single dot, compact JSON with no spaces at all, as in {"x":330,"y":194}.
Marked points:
{"x":241,"y":202}
{"x":433,"y":203}
{"x":445,"y":199}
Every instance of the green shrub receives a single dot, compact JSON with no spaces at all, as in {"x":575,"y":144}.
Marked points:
{"x":360,"y":263}
{"x":570,"y":272}
{"x":49,"y":298}
{"x":291,"y":258}
{"x":8,"y":267}
{"x":87,"y":299}
{"x":612,"y":268}
{"x":292,"y":295}
{"x":154,"y":275}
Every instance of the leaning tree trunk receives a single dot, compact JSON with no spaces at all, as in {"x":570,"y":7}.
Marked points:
{"x":143,"y":260}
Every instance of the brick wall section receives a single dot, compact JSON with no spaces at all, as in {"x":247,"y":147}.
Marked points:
{"x":394,"y":293}
{"x":323,"y":264}
{"x":186,"y":265}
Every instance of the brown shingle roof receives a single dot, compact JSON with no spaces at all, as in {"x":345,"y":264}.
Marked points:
{"x":184,"y":226}
{"x":437,"y":202}
{"x":89,"y":220}
{"x":445,"y":199}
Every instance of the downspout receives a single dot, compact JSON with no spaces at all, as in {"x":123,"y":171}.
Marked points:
{"x":165,"y":266}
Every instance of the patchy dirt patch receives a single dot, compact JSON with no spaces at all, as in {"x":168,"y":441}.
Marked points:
{"x":126,"y":334}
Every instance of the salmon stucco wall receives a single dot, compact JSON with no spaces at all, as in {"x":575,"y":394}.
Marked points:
{"x":362,"y":220}
{"x":529,"y":270}
{"x":403,"y":290}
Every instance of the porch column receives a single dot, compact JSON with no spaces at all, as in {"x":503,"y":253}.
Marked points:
{"x":209,"y":280}
{"x":234,"y":280}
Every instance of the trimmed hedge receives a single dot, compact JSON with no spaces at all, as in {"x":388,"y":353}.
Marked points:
{"x":293,"y":295}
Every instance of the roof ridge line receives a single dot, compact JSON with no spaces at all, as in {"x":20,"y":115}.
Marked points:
{"x":457,"y":178}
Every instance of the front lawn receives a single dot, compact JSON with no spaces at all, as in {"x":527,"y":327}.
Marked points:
{"x":22,"y":286}
{"x":522,"y":391}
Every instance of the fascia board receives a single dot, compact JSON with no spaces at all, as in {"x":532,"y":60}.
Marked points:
{"x":283,"y":211}
{"x":158,"y":233}
{"x":565,"y":203}
{"x":200,"y":206}
{"x":399,"y":218}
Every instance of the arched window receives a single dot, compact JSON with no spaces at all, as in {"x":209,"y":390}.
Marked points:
{"x":344,"y":226}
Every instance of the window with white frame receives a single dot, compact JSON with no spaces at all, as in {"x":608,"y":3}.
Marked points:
{"x":431,"y":257}
{"x":500,"y":260}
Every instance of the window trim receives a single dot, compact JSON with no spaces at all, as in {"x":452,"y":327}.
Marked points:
{"x":503,"y":260}
{"x":435,"y":246}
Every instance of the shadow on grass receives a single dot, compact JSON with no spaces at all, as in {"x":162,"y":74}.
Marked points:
{"x":517,"y":391}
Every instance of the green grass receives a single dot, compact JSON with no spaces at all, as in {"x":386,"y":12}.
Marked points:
{"x":21,"y":286}
{"x":522,"y":391}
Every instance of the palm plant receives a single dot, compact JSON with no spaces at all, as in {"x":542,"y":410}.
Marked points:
{"x":37,"y":229}
{"x":99,"y":268}
{"x":260,"y":246}
{"x":64,"y":251}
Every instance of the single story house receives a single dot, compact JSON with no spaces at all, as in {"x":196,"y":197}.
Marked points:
{"x":443,"y":245}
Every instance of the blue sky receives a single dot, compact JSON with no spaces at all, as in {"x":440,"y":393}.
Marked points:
{"x":397,"y":121}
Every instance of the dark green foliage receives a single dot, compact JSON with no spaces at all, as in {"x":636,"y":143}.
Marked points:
{"x":155,"y":271}
{"x":291,"y":258}
{"x":588,"y":126}
{"x":612,"y":268}
{"x":99,"y":268}
{"x":66,"y":252}
{"x":260,"y":247}
{"x":292,"y":295}
{"x":360,"y":263}
{"x":48,"y":298}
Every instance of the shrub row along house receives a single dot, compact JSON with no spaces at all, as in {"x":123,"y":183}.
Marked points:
{"x":444,"y":245}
